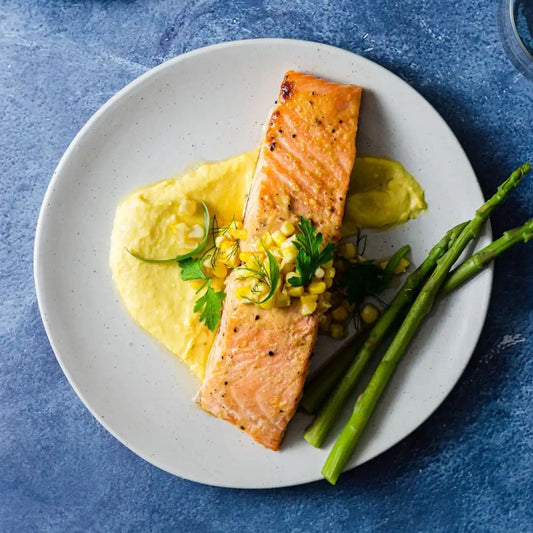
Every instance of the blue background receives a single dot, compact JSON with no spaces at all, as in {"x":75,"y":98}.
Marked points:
{"x":468,"y":468}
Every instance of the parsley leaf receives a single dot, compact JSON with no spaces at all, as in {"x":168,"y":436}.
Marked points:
{"x":209,"y":305}
{"x":191,"y":269}
{"x":310,"y":256}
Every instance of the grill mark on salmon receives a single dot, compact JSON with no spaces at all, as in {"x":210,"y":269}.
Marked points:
{"x":260,"y":358}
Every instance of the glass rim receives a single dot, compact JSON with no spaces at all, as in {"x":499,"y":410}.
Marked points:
{"x":515,"y":30}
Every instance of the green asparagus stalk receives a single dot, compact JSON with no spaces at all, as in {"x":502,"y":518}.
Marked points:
{"x":347,"y":440}
{"x":481,"y":259}
{"x":330,"y":374}
{"x":326,"y":417}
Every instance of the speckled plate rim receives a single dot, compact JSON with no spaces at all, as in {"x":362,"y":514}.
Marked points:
{"x":55,"y":182}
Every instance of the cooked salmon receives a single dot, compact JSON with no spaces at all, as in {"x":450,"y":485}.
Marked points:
{"x":260,"y":358}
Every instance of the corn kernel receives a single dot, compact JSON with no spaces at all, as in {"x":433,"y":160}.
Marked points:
{"x":238,"y":224}
{"x":320,"y":273}
{"x":340,"y":314}
{"x":266,"y":240}
{"x":219,"y":239}
{"x":369,"y":314}
{"x":220,"y":270}
{"x":238,"y":233}
{"x":323,"y":323}
{"x":269,"y":304}
{"x":278,"y":237}
{"x":294,"y":291}
{"x":323,"y":305}
{"x":290,"y":253}
{"x":227,"y":244}
{"x":217,"y":284}
{"x":197,"y":284}
{"x":402,"y":266}
{"x":287,"y":229}
{"x":277,"y":253}
{"x":400,"y":269}
{"x":245,"y":256}
{"x":242,"y":292}
{"x":308,"y":308}
{"x":260,"y":290}
{"x":290,"y":275}
{"x":330,"y":272}
{"x":283,"y":300}
{"x":308,"y":298}
{"x":187,"y":207}
{"x":347,"y":250}
{"x":317,"y":287}
{"x":231,"y":261}
{"x":197,"y":232}
{"x":328,"y":282}
{"x":362,"y":259}
{"x":336,"y":331}
{"x":327,"y":265}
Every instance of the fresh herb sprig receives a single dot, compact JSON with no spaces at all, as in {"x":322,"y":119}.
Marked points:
{"x":209,"y":305}
{"x":311,"y":255}
{"x":263,"y":275}
{"x":365,"y":278}
{"x":214,"y":252}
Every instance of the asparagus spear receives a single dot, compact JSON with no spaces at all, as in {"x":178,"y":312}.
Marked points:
{"x":481,"y":259}
{"x":326,"y":417}
{"x":330,"y":374}
{"x":332,"y":371}
{"x":345,"y":444}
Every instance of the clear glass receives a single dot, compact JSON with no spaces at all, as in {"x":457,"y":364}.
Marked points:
{"x":516,"y":29}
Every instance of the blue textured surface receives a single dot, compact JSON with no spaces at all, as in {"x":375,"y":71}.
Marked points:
{"x":468,"y":468}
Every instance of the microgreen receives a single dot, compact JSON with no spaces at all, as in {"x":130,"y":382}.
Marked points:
{"x":261,"y":274}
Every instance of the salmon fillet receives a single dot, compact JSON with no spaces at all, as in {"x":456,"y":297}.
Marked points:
{"x":260,"y":358}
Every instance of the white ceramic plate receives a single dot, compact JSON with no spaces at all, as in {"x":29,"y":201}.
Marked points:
{"x":207,"y":105}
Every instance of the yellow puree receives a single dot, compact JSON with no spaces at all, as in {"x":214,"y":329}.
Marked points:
{"x":147,"y":222}
{"x":382,"y":193}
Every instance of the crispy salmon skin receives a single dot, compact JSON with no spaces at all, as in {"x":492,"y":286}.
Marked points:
{"x":259,"y":361}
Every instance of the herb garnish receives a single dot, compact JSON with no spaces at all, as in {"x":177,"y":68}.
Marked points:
{"x":310,"y":256}
{"x":363,"y":279}
{"x":209,"y":305}
{"x":263,"y":275}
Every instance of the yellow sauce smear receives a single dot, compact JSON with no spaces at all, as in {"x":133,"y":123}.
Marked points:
{"x":381,"y":194}
{"x":148,"y":222}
